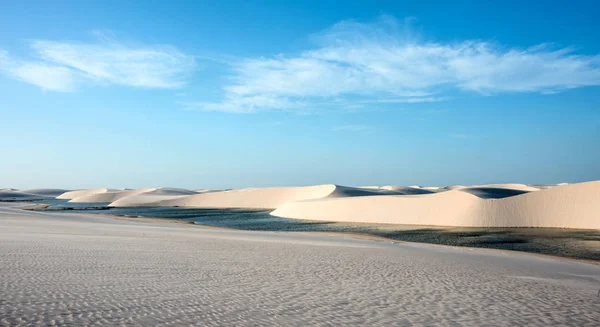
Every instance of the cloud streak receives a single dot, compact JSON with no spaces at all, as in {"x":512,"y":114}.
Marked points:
{"x":62,"y":66}
{"x":358,"y":62}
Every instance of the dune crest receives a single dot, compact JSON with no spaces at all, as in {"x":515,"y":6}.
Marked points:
{"x":151,"y":198}
{"x":565,"y":206}
{"x":77,"y":193}
{"x":258,"y":198}
{"x":108,"y":196}
{"x":268,"y":197}
{"x":46,"y":192}
{"x":491,"y":205}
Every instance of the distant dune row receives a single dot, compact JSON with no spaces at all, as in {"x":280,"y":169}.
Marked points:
{"x":498,"y":205}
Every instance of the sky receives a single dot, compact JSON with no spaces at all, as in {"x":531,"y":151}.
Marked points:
{"x":226,"y":94}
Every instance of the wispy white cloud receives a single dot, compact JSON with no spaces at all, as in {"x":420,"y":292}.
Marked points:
{"x":248,"y":104}
{"x":61,"y":66}
{"x":373,"y":62}
{"x":48,"y":77}
{"x":405,"y":100}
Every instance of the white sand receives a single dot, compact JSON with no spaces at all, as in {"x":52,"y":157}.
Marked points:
{"x":73,"y":194}
{"x":151,"y":197}
{"x":76,"y":269}
{"x":564,"y":206}
{"x":492,"y":205}
{"x":109,"y":196}
{"x":46,"y":192}
{"x":262,"y":198}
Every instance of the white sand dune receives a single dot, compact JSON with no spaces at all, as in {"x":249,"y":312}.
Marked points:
{"x":565,"y":206}
{"x":77,"y":193}
{"x":171,"y":191}
{"x":90,"y":270}
{"x":47,"y":192}
{"x":491,"y":205}
{"x":143,"y":195}
{"x":151,"y":198}
{"x":108,"y":196}
{"x":268,"y":197}
{"x":544,"y":186}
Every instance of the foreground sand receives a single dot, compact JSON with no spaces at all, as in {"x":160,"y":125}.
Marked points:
{"x":89,"y":269}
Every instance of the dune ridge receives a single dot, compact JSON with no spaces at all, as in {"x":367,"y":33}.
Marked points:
{"x":564,"y":206}
{"x":268,"y":197}
{"x":151,"y":197}
{"x":491,"y":205}
{"x":77,"y":193}
{"x":109,"y":196}
{"x":254,"y":198}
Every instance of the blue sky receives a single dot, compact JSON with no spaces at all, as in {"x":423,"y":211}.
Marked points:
{"x":219,"y":94}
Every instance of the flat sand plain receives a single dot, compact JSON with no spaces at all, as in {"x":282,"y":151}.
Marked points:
{"x":58,"y":268}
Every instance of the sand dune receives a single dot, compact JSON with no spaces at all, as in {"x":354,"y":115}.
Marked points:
{"x":151,"y":198}
{"x":109,"y":196}
{"x":47,"y":192}
{"x":263,"y":198}
{"x":492,"y":205}
{"x":143,"y":196}
{"x":269,"y":197}
{"x":78,"y":193}
{"x":565,"y":206}
{"x":171,"y":191}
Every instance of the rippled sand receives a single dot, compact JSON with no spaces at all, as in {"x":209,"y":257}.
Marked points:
{"x":58,"y":268}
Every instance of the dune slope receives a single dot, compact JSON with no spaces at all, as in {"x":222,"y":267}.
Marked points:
{"x":77,"y":193}
{"x":109,"y":196}
{"x":268,"y":197}
{"x":565,"y":206}
{"x":151,"y":198}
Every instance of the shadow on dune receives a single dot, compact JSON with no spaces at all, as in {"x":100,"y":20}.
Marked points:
{"x":493,"y":192}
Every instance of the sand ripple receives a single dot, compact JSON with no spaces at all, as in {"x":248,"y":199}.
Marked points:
{"x":58,"y":269}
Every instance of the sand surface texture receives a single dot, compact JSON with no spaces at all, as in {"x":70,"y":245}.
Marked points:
{"x":58,"y":268}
